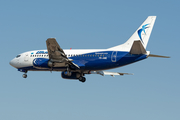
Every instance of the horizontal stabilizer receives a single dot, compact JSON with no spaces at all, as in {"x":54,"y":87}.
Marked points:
{"x":137,"y":48}
{"x":109,"y":73}
{"x":151,"y":55}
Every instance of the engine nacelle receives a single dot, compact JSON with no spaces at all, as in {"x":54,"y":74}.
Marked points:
{"x":74,"y":75}
{"x":42,"y":63}
{"x":67,"y":73}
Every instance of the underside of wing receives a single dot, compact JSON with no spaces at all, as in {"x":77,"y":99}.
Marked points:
{"x":109,"y":73}
{"x":56,"y":53}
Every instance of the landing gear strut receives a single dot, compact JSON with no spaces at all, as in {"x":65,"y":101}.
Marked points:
{"x":82,"y":79}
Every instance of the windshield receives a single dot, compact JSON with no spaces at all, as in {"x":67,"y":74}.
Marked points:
{"x":18,"y":56}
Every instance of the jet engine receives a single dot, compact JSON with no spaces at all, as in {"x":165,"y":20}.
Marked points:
{"x":72,"y":75}
{"x":42,"y":63}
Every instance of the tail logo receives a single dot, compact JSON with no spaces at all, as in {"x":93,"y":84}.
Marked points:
{"x":142,"y":29}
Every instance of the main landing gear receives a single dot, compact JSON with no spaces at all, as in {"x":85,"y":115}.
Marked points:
{"x":82,"y":79}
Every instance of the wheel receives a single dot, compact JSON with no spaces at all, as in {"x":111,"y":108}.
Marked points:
{"x":82,"y":79}
{"x":24,"y":75}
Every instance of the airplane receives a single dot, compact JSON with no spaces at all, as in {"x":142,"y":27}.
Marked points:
{"x":76,"y":63}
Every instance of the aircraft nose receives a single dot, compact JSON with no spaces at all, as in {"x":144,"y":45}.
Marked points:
{"x":12,"y":63}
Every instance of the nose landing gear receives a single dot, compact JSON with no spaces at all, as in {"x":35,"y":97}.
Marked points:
{"x":24,"y":75}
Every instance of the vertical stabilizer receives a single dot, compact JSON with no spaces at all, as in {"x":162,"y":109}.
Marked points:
{"x":141,"y":34}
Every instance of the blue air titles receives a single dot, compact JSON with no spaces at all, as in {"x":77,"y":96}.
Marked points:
{"x":42,"y":52}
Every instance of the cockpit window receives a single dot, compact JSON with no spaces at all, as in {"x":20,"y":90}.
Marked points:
{"x":18,"y":56}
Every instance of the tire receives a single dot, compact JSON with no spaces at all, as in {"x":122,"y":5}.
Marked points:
{"x":82,"y":79}
{"x":24,"y":76}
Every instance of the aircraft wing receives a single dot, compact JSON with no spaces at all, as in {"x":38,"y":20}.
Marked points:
{"x":56,"y":53}
{"x":109,"y":73}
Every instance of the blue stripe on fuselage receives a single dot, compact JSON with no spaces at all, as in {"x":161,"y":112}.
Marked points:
{"x":101,"y":60}
{"x":102,"y":63}
{"x":97,"y":60}
{"x":130,"y":58}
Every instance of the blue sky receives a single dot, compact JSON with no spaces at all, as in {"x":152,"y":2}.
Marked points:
{"x":153,"y":91}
